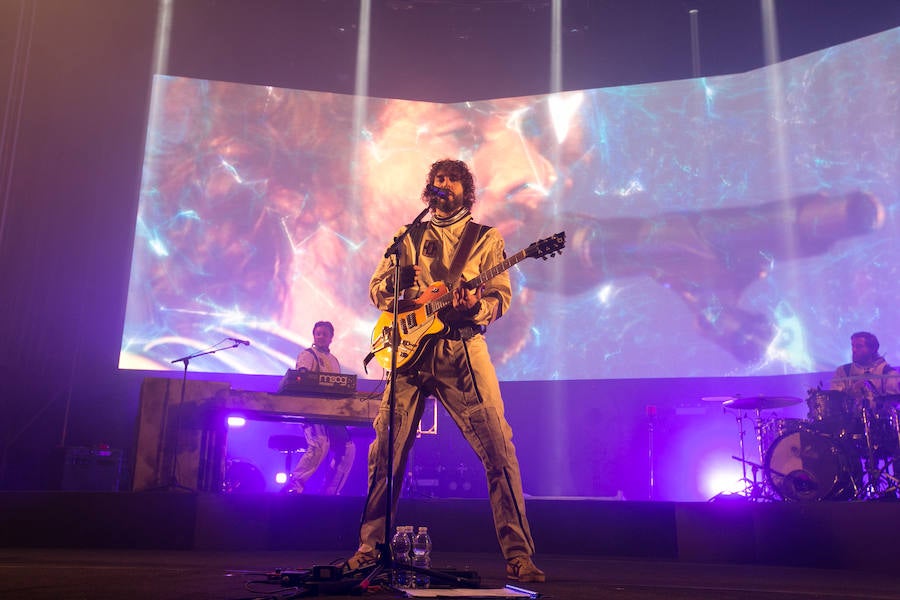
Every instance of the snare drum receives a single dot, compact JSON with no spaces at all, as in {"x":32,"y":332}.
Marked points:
{"x":809,"y":466}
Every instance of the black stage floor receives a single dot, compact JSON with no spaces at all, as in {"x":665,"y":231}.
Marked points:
{"x":190,"y":574}
{"x":172,"y":545}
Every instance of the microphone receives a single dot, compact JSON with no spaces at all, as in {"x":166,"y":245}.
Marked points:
{"x":436,"y":191}
{"x":237,"y":341}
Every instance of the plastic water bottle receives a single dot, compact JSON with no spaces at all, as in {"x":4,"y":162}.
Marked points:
{"x":421,"y":547}
{"x":401,"y":545}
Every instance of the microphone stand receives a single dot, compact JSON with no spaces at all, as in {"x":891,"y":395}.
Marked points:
{"x":173,"y":483}
{"x":386,"y":563}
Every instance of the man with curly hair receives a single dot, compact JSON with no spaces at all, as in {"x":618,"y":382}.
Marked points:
{"x":455,"y":368}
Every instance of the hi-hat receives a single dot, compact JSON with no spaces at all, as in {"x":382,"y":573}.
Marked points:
{"x":761,"y":402}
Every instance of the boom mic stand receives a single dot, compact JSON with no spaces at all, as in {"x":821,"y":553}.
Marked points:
{"x":387,"y":564}
{"x":173,"y":483}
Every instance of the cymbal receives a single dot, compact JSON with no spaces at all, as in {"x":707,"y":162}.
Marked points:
{"x":717,"y":398}
{"x":762,"y":402}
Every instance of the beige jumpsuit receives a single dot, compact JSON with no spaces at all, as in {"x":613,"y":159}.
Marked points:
{"x":460,"y":374}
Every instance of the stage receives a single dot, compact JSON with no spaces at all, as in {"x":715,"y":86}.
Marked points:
{"x":590,"y":548}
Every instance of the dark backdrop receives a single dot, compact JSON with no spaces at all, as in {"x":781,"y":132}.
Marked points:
{"x":75,"y":83}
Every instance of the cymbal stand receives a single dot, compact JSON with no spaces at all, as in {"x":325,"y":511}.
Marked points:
{"x":872,"y":472}
{"x":758,"y":428}
{"x":753,"y":489}
{"x":880,"y":480}
{"x":889,"y":462}
{"x":741,"y":434}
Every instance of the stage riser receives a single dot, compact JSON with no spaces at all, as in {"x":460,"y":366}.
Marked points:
{"x":857,"y":536}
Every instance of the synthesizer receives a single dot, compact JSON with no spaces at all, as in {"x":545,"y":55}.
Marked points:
{"x":298,"y":382}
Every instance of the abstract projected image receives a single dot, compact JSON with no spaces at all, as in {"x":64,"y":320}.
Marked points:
{"x":730,"y":226}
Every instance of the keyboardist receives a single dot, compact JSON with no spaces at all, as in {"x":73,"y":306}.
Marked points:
{"x":330,"y":445}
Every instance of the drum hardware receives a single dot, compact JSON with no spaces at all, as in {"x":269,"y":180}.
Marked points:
{"x":871,"y":464}
{"x":757,"y":404}
{"x":651,"y":422}
{"x":755,"y":488}
{"x":880,"y":449}
{"x":752,"y":488}
{"x":882,"y":483}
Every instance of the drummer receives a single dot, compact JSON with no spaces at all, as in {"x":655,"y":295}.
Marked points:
{"x":869,"y":375}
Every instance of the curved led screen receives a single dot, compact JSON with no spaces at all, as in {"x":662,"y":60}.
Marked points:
{"x":736,"y":225}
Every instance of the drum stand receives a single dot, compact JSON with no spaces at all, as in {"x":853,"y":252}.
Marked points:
{"x":880,"y":481}
{"x":754,"y":489}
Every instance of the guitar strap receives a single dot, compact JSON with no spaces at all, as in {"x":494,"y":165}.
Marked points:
{"x":471,"y":233}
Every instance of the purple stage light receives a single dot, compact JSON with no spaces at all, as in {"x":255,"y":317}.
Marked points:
{"x":236,"y":421}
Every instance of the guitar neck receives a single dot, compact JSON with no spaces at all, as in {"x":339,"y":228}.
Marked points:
{"x":446,"y":300}
{"x":495,"y":270}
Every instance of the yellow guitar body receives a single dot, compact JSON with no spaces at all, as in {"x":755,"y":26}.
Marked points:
{"x":414,"y":326}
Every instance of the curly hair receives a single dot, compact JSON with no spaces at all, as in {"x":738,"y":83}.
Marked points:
{"x":456,"y":169}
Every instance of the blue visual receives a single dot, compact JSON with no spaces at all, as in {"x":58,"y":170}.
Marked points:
{"x":421,"y":557}
{"x":401,"y":545}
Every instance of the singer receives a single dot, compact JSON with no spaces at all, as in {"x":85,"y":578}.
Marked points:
{"x":456,"y":368}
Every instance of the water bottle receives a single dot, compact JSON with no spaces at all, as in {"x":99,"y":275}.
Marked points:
{"x":421,"y":547}
{"x":400,"y":550}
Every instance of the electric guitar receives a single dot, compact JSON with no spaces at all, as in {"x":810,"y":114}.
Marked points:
{"x":418,"y":321}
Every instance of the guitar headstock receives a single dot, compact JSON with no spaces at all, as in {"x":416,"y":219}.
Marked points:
{"x":547,"y":247}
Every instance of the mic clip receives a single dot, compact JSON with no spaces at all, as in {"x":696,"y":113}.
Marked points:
{"x":435,"y":191}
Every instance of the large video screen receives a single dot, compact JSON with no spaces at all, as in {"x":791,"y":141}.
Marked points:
{"x":730,"y":226}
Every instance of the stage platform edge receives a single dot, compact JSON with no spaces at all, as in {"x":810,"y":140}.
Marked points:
{"x":835,"y":535}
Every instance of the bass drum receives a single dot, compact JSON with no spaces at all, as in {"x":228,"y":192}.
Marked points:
{"x":808,"y":466}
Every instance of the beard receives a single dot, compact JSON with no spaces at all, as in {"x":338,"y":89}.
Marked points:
{"x":448,"y":205}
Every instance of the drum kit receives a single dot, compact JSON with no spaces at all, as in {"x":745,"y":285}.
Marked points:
{"x":846,"y":448}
